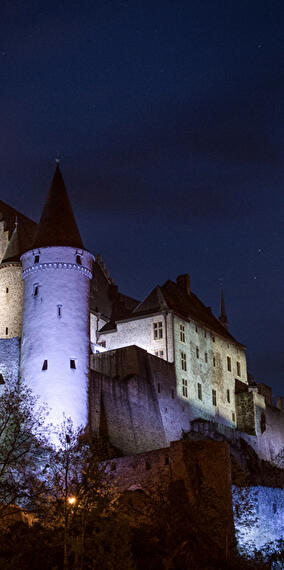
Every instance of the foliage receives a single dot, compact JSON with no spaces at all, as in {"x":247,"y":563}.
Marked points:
{"x":21,"y":441}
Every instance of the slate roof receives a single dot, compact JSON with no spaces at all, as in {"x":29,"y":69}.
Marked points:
{"x":57,"y":226}
{"x":174,"y":297}
{"x":20,"y":242}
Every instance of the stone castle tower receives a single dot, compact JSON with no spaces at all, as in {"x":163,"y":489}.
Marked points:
{"x":55,"y":332}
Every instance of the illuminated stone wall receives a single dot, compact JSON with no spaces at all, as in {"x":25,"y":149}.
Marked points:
{"x":258,"y":517}
{"x":55,"y":337}
{"x":133,"y":397}
{"x":11,"y":300}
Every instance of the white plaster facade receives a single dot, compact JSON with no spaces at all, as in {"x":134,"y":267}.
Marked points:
{"x":55,"y":336}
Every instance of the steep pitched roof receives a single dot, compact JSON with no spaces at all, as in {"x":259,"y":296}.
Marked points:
{"x":57,"y":226}
{"x":18,"y":244}
{"x":9,"y":216}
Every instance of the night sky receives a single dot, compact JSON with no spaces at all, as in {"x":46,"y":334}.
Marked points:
{"x":169,"y":119}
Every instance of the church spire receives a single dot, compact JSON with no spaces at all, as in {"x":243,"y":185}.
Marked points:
{"x":57,"y":226}
{"x":223,"y":315}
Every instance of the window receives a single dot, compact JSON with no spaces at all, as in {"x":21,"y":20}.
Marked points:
{"x":158,"y":330}
{"x":229,"y":364}
{"x":44,"y":366}
{"x":7,"y":330}
{"x":214,"y":399}
{"x":214,"y":361}
{"x":206,"y":357}
{"x":238,"y":368}
{"x":102,"y":343}
{"x":173,"y":394}
{"x":197,"y":352}
{"x":36,"y":259}
{"x":199,"y":390}
{"x":167,"y":460}
{"x":59,"y":311}
{"x":184,"y":388}
{"x":213,"y":337}
{"x":7,"y":289}
{"x":159,"y":387}
{"x":181,"y":332}
{"x":159,"y":353}
{"x":72,"y":364}
{"x":78,"y":259}
{"x":205,"y":334}
{"x":183,"y":360}
{"x":196,"y":328}
{"x":228,"y":396}
{"x":35,"y":289}
{"x":233,"y":417}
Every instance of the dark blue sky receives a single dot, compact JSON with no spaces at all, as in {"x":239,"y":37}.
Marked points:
{"x":169,"y":117}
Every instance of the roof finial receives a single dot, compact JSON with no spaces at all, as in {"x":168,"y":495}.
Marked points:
{"x":223,"y":316}
{"x":16,"y":222}
{"x":58,"y":158}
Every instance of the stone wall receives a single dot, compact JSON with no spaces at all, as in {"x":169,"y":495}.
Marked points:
{"x":11,"y":300}
{"x":203,"y":467}
{"x":9,"y":360}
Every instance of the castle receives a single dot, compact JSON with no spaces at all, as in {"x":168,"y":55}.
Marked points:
{"x":144,"y":372}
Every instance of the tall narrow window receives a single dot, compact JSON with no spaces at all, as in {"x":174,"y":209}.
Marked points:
{"x":197,"y":352}
{"x":233,"y":417}
{"x":196,"y":328}
{"x":78,"y":259}
{"x":7,"y":289}
{"x":7,"y":330}
{"x":213,"y":337}
{"x":35,"y":289}
{"x":183,"y":360}
{"x":214,"y":398}
{"x":206,"y":357}
{"x":229,"y":364}
{"x":184,"y":388}
{"x":44,"y":366}
{"x":199,"y":389}
{"x":59,"y":311}
{"x":159,"y":388}
{"x":36,"y":258}
{"x":238,"y":368}
{"x":181,"y":332}
{"x":72,"y":364}
{"x":173,"y":394}
{"x":214,"y":361}
{"x":158,"y":330}
{"x":228,"y":396}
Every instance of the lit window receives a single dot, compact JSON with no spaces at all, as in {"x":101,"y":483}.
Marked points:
{"x":214,"y":361}
{"x":229,"y":364}
{"x":59,"y":311}
{"x":199,"y":389}
{"x":206,"y":357}
{"x":158,"y":330}
{"x":72,"y":364}
{"x":233,"y":417}
{"x":238,"y":368}
{"x":228,"y":396}
{"x":44,"y":366}
{"x":183,"y":360}
{"x":214,"y":398}
{"x":181,"y":332}
{"x":184,"y":388}
{"x":197,"y":352}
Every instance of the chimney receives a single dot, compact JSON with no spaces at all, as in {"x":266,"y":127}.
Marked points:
{"x":183,"y":281}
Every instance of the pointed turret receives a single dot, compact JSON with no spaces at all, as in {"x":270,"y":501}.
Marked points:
{"x":19,"y":243}
{"x":57,"y":226}
{"x":223,"y":316}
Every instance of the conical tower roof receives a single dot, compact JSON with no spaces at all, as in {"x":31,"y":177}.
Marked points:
{"x":19,"y":243}
{"x":57,"y":226}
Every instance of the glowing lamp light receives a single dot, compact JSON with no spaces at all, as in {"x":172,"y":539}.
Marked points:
{"x":72,"y":500}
